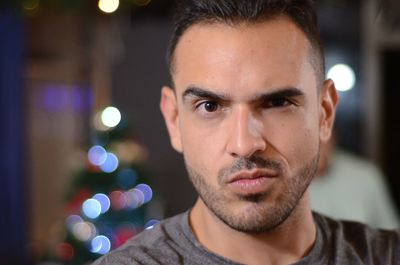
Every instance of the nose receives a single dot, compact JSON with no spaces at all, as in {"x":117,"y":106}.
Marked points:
{"x":246,"y":134}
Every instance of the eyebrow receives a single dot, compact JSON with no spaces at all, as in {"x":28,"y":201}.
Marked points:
{"x":284,"y":92}
{"x":194,"y":91}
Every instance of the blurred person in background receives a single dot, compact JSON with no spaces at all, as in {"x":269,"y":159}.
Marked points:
{"x":349,"y":187}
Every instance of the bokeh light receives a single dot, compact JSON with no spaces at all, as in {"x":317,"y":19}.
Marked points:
{"x":124,"y":232}
{"x":103,"y":200}
{"x":108,"y":6}
{"x":91,"y":208}
{"x":84,"y":231}
{"x":132,"y":199}
{"x":72,"y":220}
{"x":100,"y":244}
{"x":139,"y":195}
{"x":343,"y":76}
{"x":97,"y":155}
{"x":65,"y":252}
{"x":147,"y":192}
{"x":110,"y":164}
{"x":127,"y":178}
{"x":110,"y":117}
{"x":98,"y":124}
{"x":118,"y":200}
{"x":151,"y":223}
{"x":30,"y":4}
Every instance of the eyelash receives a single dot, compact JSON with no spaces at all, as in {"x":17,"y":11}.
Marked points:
{"x":271,"y":103}
{"x":268,"y":104}
{"x":202,"y":104}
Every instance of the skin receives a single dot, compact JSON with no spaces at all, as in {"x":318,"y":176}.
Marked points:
{"x":247,"y":103}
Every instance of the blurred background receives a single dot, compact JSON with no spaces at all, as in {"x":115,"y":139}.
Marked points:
{"x":85,"y":157}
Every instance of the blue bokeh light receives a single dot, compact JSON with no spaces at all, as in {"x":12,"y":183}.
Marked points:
{"x":103,"y":200}
{"x":151,"y":223}
{"x":91,"y":208}
{"x":147,"y":192}
{"x":101,"y":245}
{"x":72,"y":220}
{"x":110,"y":164}
{"x":97,"y":155}
{"x":127,"y":178}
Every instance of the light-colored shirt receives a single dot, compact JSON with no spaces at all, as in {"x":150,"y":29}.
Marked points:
{"x":354,"y":189}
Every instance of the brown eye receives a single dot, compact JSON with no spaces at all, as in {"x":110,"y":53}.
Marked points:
{"x":278,"y":102}
{"x":210,"y":106}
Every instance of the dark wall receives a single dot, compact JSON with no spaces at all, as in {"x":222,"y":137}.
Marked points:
{"x":13,"y":233}
{"x":137,"y":82}
{"x":391,"y":120}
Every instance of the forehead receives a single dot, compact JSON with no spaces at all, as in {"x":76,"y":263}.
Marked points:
{"x":267,"y":53}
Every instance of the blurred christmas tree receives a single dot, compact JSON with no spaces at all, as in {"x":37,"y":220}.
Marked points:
{"x":110,"y":199}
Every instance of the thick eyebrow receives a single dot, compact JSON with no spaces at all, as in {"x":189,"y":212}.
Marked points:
{"x":285,"y":92}
{"x":194,"y":91}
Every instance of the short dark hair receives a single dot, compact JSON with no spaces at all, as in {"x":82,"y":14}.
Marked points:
{"x":231,"y":12}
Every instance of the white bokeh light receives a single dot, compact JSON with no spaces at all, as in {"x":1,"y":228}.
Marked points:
{"x":343,"y":76}
{"x":110,"y":117}
{"x":91,"y":208}
{"x":108,"y":6}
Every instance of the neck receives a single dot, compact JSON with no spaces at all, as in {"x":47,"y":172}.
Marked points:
{"x":285,"y":244}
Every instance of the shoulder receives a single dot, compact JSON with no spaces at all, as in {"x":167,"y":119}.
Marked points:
{"x":356,"y":241}
{"x":159,"y":245}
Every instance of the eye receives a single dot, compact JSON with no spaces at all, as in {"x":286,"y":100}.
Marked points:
{"x":209,"y":106}
{"x":277,"y":102}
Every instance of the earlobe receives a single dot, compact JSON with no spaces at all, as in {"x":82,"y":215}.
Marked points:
{"x":169,"y":109}
{"x":328,"y":102}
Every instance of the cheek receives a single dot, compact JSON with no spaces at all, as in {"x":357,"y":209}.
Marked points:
{"x":200,"y":148}
{"x":296,"y":140}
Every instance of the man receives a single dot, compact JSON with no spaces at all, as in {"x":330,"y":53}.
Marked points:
{"x":363,"y":193}
{"x":248,"y":110}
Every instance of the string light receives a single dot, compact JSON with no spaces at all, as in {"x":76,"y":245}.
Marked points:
{"x":118,"y":200}
{"x":146,"y":191}
{"x":101,"y":245}
{"x":84,"y":231}
{"x":108,"y":6}
{"x":65,"y":251}
{"x":127,"y":177}
{"x":97,"y":155}
{"x":91,"y":208}
{"x":133,"y":199}
{"x":104,"y":202}
{"x":110,"y":117}
{"x":110,"y":164}
{"x":30,"y":4}
{"x":72,"y":220}
{"x":150,"y":224}
{"x":343,"y":76}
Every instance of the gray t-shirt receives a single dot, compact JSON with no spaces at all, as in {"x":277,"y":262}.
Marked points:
{"x":338,"y":242}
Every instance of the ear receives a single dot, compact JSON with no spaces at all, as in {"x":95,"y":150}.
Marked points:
{"x":169,"y":110}
{"x":328,"y":101}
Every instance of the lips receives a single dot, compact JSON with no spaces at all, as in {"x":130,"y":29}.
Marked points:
{"x":251,"y":182}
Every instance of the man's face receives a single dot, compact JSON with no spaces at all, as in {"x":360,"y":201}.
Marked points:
{"x":247,"y":116}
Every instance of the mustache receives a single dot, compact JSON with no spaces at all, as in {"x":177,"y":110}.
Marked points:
{"x":248,"y":164}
